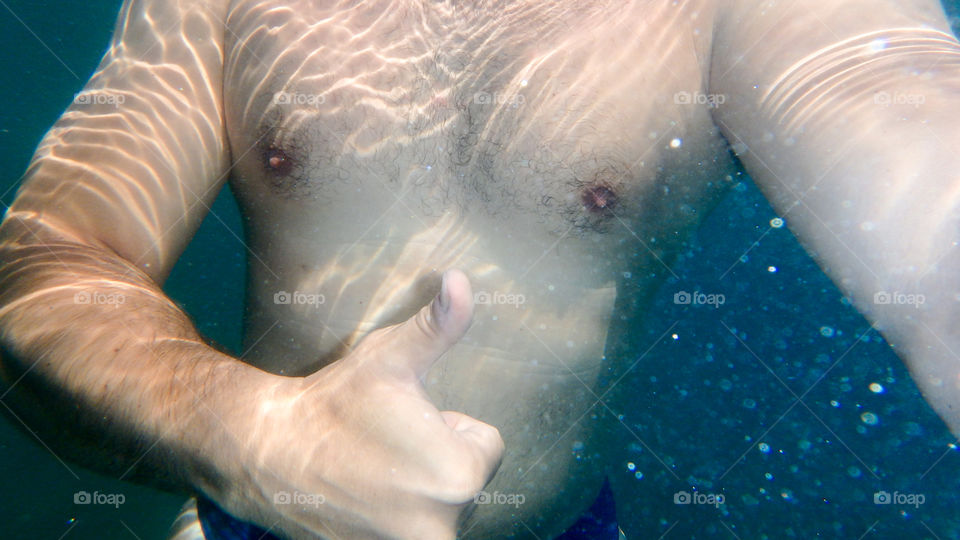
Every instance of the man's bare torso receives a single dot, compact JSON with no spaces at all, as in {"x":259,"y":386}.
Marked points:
{"x":556,"y":153}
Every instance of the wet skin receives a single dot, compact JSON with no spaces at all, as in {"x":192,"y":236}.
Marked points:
{"x":363,"y":174}
{"x":559,"y":155}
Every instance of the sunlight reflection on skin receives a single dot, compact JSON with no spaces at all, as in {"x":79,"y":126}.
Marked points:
{"x":372,"y":149}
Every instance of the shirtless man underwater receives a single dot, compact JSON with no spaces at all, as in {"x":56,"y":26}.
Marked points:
{"x":546,"y":159}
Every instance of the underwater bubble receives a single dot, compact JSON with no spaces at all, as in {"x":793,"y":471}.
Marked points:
{"x":631,"y":466}
{"x":749,"y":403}
{"x":869,"y":418}
{"x":854,"y":471}
{"x":638,"y":475}
{"x":876,"y":388}
{"x":835,"y":404}
{"x":764,"y":447}
{"x":768,"y":476}
{"x":772,"y":269}
{"x":676,"y":143}
{"x":776,"y":223}
{"x":827,"y":331}
{"x":725,"y":385}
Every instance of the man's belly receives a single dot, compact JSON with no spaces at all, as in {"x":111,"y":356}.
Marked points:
{"x":528,"y":365}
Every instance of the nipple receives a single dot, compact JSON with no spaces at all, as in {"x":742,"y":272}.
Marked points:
{"x":277,"y":161}
{"x":598,"y":198}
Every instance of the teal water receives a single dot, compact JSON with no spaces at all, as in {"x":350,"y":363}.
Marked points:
{"x":702,"y":418}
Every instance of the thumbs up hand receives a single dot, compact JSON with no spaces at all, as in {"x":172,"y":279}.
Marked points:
{"x":357,"y":450}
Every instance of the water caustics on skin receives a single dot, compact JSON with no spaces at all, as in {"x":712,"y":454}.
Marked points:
{"x":375,"y":148}
{"x":371,"y":149}
{"x":374,"y":145}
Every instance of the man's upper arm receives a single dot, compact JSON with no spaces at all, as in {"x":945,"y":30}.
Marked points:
{"x":806,"y":79}
{"x":136,"y":159}
{"x":845,"y":112}
{"x":847,"y":115}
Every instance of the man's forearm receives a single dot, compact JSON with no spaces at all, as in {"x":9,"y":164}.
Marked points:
{"x":106,"y":370}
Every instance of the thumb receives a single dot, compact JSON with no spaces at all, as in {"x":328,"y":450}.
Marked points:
{"x":413,"y":346}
